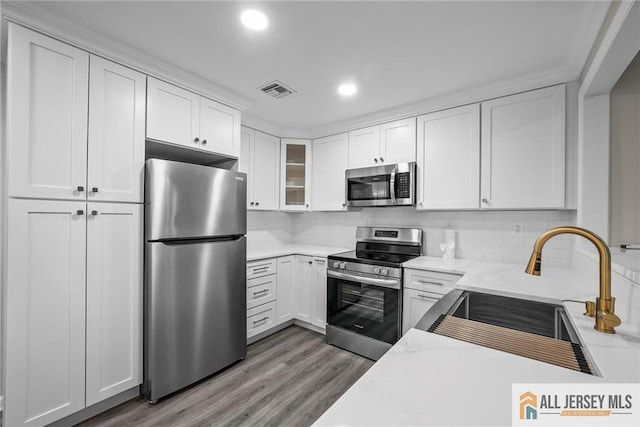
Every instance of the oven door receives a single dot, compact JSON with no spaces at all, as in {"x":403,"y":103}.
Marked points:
{"x":365,"y":305}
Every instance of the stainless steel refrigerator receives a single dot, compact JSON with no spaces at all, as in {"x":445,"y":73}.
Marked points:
{"x":195,"y":266}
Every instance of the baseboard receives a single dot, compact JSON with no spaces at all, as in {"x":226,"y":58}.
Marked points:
{"x":98,"y":408}
{"x":310,"y":326}
{"x":282,"y":326}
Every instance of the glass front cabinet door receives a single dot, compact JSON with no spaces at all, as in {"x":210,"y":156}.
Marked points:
{"x":295,"y":175}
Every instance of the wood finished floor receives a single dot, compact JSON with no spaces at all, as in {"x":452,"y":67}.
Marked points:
{"x":288,"y":379}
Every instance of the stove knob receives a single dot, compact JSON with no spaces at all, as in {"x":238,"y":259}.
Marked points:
{"x":343,"y":265}
{"x":384,"y":272}
{"x":336,"y":264}
{"x":376,"y":270}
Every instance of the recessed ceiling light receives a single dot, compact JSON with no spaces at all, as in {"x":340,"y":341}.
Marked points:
{"x":347,"y":89}
{"x":254,"y":20}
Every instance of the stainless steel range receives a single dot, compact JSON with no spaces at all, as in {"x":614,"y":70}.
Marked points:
{"x":364,"y":289}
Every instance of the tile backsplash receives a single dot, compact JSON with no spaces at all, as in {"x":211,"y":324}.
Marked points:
{"x":480,"y":235}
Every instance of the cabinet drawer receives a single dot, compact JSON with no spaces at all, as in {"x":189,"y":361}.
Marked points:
{"x":430,"y":281}
{"x":262,"y":267}
{"x":261,"y":290}
{"x":261,"y":318}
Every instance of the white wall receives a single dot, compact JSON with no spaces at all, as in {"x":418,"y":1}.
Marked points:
{"x":481,"y":235}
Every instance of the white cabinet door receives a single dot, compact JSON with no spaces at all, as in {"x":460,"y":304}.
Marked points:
{"x":285,"y":282}
{"x":219,"y":128}
{"x":523,"y":150}
{"x":449,"y":159}
{"x":173,"y":114}
{"x":45,"y":319}
{"x":47,"y":101}
{"x":303,"y":291}
{"x":295,"y":173}
{"x":414,"y":305}
{"x":266,"y":172}
{"x":398,"y":141}
{"x":116,"y":132}
{"x":330,"y":160}
{"x":364,"y":147}
{"x":320,"y":292}
{"x":114,"y":299}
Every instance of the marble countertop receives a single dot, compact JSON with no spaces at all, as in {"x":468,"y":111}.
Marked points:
{"x":255,"y":252}
{"x":425,"y":379}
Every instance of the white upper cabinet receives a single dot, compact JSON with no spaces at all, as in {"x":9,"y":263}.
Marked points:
{"x":364,"y":147}
{"x":260,"y":160}
{"x":184,"y":118}
{"x":398,"y":141}
{"x":114,"y":299}
{"x":330,"y":160}
{"x":523,"y":150}
{"x":295,"y":174}
{"x":219,"y":128}
{"x":393,"y":142}
{"x":449,"y":159}
{"x":47,"y":103}
{"x":172,"y":114}
{"x":75,"y":123}
{"x":116,"y":132}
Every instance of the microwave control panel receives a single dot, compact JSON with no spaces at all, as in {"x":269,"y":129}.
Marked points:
{"x":403,"y":185}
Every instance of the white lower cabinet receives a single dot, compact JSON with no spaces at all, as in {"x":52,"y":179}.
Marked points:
{"x":310,"y":290}
{"x":261,"y":318}
{"x":422,"y":289}
{"x":71,"y":273}
{"x":285,"y":288}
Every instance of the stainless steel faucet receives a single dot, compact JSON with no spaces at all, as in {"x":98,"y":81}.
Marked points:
{"x":604,"y":307}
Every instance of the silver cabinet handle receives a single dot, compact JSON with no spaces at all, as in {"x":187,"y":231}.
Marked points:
{"x":260,"y":269}
{"x":261,"y":320}
{"x":426,"y":282}
{"x":264,"y":291}
{"x":426,"y":296}
{"x":320,"y":261}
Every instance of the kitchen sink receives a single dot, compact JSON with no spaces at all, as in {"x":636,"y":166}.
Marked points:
{"x":537,"y":330}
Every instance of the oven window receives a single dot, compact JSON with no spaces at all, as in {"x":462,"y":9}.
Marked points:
{"x":376,"y":187}
{"x":365,"y":309}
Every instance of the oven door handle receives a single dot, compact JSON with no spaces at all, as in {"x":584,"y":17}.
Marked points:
{"x":392,"y":184}
{"x":385,"y":283}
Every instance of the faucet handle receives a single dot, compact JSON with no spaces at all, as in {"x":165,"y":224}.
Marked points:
{"x":610,"y":320}
{"x":590,"y":309}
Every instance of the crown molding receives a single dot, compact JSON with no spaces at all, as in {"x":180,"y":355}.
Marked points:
{"x":619,"y":44}
{"x":27,"y":15}
{"x":451,"y":100}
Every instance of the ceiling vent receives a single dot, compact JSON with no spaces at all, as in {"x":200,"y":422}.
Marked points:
{"x":276,"y":89}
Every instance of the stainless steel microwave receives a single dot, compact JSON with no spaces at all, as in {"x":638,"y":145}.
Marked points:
{"x":387,"y":185}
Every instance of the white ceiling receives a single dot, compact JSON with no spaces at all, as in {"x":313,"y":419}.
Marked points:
{"x":396,"y":52}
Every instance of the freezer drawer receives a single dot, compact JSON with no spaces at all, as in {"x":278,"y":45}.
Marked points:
{"x":195,"y":312}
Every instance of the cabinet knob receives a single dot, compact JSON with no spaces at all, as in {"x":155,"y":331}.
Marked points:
{"x":252,"y":203}
{"x":310,"y":262}
{"x":94,"y":190}
{"x":257,"y":203}
{"x":204,"y":142}
{"x":94,"y":213}
{"x":485,"y":200}
{"x":80,"y":188}
{"x":381,"y":160}
{"x":79,"y":212}
{"x":375,"y":160}
{"x":344,"y":205}
{"x":196,"y":139}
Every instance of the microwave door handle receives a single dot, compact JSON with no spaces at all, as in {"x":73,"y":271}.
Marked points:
{"x":392,"y":184}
